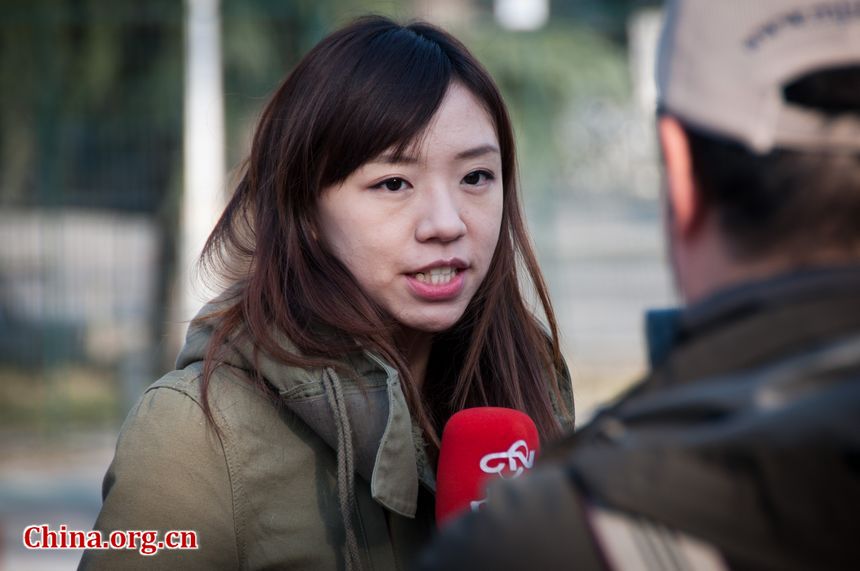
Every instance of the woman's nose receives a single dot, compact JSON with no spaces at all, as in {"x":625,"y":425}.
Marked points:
{"x":441,"y":217}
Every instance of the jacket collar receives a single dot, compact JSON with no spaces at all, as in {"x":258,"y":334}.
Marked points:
{"x":388,"y":449}
{"x":744,"y":325}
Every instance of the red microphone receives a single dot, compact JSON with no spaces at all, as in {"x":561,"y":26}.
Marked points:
{"x":480,"y":445}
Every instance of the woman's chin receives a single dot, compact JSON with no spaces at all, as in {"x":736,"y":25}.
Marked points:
{"x":433,"y":323}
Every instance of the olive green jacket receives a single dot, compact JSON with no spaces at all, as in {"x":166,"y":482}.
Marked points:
{"x":264,"y":493}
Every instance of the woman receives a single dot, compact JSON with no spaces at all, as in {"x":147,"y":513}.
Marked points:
{"x":371,"y":252}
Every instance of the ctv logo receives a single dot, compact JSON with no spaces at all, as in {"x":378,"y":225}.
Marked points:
{"x":517,"y":458}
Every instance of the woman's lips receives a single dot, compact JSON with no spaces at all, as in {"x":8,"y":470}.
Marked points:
{"x":449,"y":263}
{"x":427,"y":290}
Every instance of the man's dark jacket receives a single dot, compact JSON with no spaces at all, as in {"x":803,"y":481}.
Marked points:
{"x":745,"y":437}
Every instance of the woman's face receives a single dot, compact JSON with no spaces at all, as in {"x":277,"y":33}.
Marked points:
{"x":418,"y":234}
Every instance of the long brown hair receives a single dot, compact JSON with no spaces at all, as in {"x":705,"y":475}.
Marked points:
{"x":370,"y":87}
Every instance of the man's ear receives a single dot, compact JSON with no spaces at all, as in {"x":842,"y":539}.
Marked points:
{"x":685,"y":202}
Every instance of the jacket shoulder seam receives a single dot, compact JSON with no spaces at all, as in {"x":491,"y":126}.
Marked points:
{"x":237,"y":488}
{"x":173,"y":381}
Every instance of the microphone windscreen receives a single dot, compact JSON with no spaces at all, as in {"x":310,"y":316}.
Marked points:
{"x":480,"y":445}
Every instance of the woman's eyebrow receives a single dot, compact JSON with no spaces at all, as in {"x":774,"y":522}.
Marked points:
{"x":477,"y":152}
{"x":392,"y":159}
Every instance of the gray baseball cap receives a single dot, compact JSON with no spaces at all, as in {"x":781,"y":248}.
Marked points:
{"x":723,"y":66}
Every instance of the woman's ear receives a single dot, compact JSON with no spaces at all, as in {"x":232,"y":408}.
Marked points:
{"x":685,"y":202}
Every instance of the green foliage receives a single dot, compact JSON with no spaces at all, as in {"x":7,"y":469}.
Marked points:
{"x":264,"y":39}
{"x":57,"y":399}
{"x":92,"y":89}
{"x":541,"y":75}
{"x":92,"y":102}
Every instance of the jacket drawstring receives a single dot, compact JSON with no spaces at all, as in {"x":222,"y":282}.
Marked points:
{"x":345,"y":466}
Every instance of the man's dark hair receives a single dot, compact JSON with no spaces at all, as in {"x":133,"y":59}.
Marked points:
{"x":799,"y":203}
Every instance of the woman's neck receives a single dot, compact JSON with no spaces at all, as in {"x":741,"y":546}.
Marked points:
{"x":416,"y":346}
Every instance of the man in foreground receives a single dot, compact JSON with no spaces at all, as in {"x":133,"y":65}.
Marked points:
{"x":741,"y":448}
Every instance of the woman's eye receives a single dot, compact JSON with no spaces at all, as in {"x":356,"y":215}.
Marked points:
{"x":392,"y":184}
{"x":477,"y":177}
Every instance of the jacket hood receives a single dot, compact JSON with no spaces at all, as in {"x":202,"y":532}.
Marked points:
{"x":388,"y":450}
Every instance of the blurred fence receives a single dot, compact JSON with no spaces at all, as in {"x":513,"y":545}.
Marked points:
{"x":90,"y":135}
{"x":78,"y":304}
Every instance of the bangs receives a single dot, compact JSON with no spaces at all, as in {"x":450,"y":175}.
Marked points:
{"x":396,"y":81}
